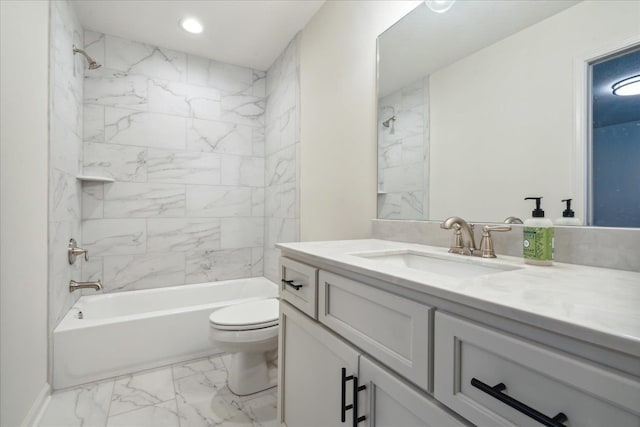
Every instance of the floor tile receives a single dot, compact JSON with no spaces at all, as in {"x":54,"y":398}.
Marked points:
{"x":85,"y":406}
{"x":163,"y":414}
{"x":221,"y":408}
{"x":199,"y":387}
{"x":140,"y":390}
{"x":204,"y":399}
{"x":188,"y":394}
{"x":198,"y":366}
{"x":263,"y":410}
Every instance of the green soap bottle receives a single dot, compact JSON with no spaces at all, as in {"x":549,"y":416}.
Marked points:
{"x":537,"y":247}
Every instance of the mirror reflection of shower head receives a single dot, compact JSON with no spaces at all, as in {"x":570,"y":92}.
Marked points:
{"x":92,"y":63}
{"x":389,"y":121}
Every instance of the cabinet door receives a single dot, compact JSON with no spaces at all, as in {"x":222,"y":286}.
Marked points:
{"x":394,"y":330}
{"x":390,"y":402}
{"x":311,"y":363}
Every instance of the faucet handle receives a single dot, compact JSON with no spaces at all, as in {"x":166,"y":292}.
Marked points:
{"x":489,"y":228}
{"x":73,"y":251}
{"x":456,"y":244}
{"x":486,"y":244}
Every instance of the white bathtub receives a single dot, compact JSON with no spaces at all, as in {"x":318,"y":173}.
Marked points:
{"x":130,"y":331}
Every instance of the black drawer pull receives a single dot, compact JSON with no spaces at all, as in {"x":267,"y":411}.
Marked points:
{"x":357,"y":388}
{"x":354,"y":406}
{"x":290,"y":283}
{"x":344,"y":407}
{"x":496,"y":391}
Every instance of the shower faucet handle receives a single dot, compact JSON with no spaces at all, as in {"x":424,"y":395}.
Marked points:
{"x":74,"y":251}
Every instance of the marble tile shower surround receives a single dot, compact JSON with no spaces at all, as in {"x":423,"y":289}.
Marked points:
{"x":282,"y":152}
{"x":66,"y":73}
{"x":606,"y":247}
{"x":183,"y":138}
{"x":402,"y":153}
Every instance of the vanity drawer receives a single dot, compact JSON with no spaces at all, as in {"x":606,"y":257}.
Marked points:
{"x":394,"y":330}
{"x":544,"y":380}
{"x":299,"y":285}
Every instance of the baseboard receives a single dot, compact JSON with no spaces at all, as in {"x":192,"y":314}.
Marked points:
{"x":38,"y":407}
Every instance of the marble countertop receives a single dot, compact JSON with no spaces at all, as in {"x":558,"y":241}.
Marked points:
{"x":597,"y":305}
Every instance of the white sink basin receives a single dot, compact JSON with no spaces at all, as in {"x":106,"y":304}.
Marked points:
{"x":446,"y":265}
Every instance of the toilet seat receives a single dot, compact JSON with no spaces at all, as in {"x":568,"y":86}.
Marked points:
{"x":252,"y":315}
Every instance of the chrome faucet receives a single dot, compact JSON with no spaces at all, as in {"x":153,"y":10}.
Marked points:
{"x":461,"y":228}
{"x":468,"y":246}
{"x":74,"y":286}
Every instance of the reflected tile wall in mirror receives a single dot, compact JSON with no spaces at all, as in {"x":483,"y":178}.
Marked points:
{"x":403,"y":146}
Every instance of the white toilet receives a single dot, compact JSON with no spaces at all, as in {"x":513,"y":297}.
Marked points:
{"x":250,"y":332}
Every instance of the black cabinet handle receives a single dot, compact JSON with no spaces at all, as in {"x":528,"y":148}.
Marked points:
{"x":343,"y":406}
{"x":290,"y":283}
{"x":354,"y":406}
{"x":357,"y":388}
{"x":496,"y":392}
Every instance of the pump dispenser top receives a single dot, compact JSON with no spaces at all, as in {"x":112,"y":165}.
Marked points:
{"x":568,"y":215}
{"x":537,"y":212}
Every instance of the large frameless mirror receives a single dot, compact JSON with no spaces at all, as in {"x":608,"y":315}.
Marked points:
{"x":489,"y":102}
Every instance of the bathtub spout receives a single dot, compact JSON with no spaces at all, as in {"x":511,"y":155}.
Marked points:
{"x":73,"y":285}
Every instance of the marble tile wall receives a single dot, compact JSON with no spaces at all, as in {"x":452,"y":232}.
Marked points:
{"x":183,"y":138}
{"x":402,"y":151}
{"x":66,"y":74}
{"x":282,"y":153}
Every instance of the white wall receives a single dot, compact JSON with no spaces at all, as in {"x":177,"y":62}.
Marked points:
{"x":510,"y":107}
{"x":338,"y":117}
{"x":23,"y":212}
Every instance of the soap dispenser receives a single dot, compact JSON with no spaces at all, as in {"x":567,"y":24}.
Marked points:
{"x":568,"y":216}
{"x":537,"y":237}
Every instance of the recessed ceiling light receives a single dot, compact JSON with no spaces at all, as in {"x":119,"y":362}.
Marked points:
{"x":439,"y":6}
{"x":191,"y":25}
{"x":627,"y":87}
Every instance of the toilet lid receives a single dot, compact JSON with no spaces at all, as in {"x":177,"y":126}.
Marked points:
{"x":249,"y":315}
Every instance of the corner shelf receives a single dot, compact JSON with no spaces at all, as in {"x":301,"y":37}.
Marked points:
{"x":88,"y":178}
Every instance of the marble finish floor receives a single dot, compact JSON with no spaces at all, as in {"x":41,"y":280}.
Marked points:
{"x":190,"y":394}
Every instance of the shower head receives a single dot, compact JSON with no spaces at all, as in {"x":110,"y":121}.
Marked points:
{"x":389,"y":121}
{"x":92,"y":63}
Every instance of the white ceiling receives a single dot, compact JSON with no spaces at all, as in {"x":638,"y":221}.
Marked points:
{"x":251,"y":33}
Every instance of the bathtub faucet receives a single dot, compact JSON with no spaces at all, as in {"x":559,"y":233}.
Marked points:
{"x":73,"y":285}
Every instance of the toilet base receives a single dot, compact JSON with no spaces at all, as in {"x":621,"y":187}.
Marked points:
{"x":249,"y":373}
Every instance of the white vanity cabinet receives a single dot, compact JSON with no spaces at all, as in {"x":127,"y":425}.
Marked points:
{"x":413,"y":359}
{"x":320,"y":374}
